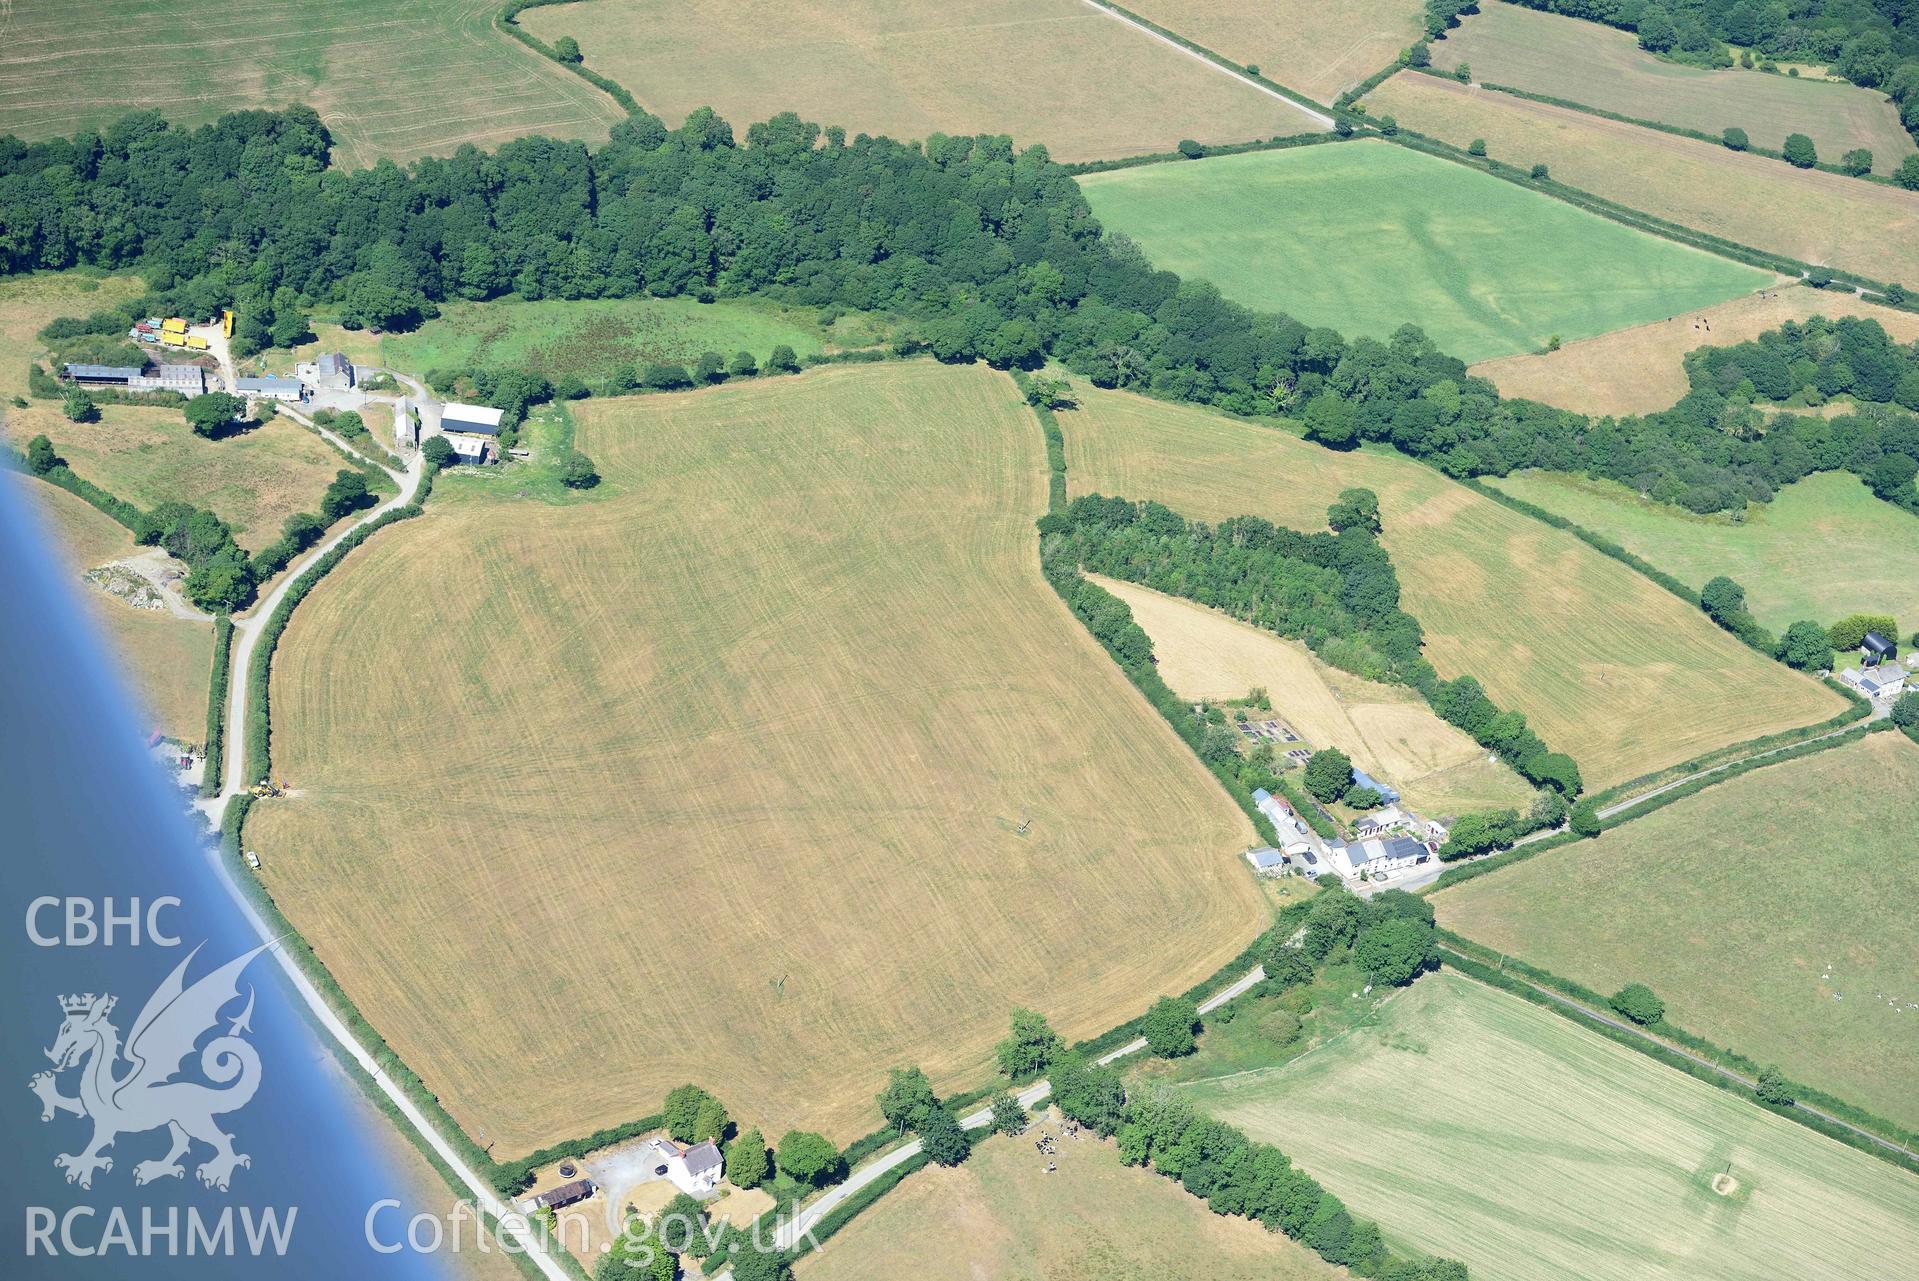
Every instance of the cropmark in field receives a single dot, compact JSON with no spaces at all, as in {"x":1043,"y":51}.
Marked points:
{"x":1485,"y":1129}
{"x":1365,"y":236}
{"x":771,"y":766}
{"x":1771,"y":912}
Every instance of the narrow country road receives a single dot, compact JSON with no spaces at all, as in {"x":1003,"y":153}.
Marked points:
{"x":1319,"y":118}
{"x":1879,"y":712}
{"x":792,"y":1231}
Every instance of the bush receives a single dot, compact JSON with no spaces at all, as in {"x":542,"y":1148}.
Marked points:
{"x":1190,"y":149}
{"x":1773,"y":1087}
{"x":1170,"y":1026}
{"x":1540,"y":173}
{"x":1477,"y":147}
{"x":1850,"y":632}
{"x":1907,"y":175}
{"x":78,"y":407}
{"x":665,"y":378}
{"x":1637,"y":1002}
{"x":578,"y":472}
{"x":1735,"y":138}
{"x":567,"y":49}
{"x":1799,"y":151}
{"x":1389,"y":126}
{"x":1278,"y":1025}
{"x":1585,"y":818}
{"x":40,"y":456}
{"x":782,"y":360}
{"x":437,"y":451}
{"x":1905,"y":712}
{"x":808,"y":1157}
{"x":1857,"y":162}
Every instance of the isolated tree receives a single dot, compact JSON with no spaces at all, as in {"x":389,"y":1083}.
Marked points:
{"x":1356,"y":509}
{"x":578,"y":472}
{"x":40,"y":456}
{"x":1905,"y":712}
{"x":567,"y":49}
{"x":1856,"y":162}
{"x":1048,"y":393}
{"x":1584,"y":819}
{"x":1031,"y":1048}
{"x":1907,"y":174}
{"x":743,"y":365}
{"x":906,"y":1095}
{"x":1540,"y":173}
{"x":1806,"y":647}
{"x":1389,"y":126}
{"x":783,"y":361}
{"x":1637,"y":1002}
{"x":438,"y":452}
{"x":1362,"y":798}
{"x":1394,"y":951}
{"x":78,"y":407}
{"x":808,"y":1157}
{"x":941,"y":1137}
{"x":1170,"y":1026}
{"x":1009,"y":1116}
{"x":211,"y":413}
{"x":1477,"y":147}
{"x":348,"y":492}
{"x":1722,"y":599}
{"x":1463,"y":73}
{"x":1420,"y":55}
{"x":1735,"y":138}
{"x":1799,"y":151}
{"x":1773,"y":1087}
{"x":302,"y":530}
{"x":711,"y":369}
{"x":1329,"y":773}
{"x":222,"y":582}
{"x":1190,"y":149}
{"x":747,"y":1161}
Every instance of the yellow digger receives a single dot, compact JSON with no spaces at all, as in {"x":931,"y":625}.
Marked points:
{"x":267,"y":787}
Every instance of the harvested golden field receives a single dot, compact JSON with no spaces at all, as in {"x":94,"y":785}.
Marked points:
{"x":1812,"y":216}
{"x":715,"y":775}
{"x":1388,"y":730}
{"x":1771,"y":912}
{"x":391,"y":78}
{"x":167,"y":661}
{"x":1642,"y":369}
{"x":1607,"y":666}
{"x":1001,"y":1216}
{"x":148,"y":456}
{"x":1603,"y":67}
{"x":1319,"y":49}
{"x":1059,"y":72}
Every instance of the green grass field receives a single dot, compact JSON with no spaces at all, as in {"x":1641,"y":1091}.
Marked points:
{"x":780,"y":691}
{"x":591,"y":339}
{"x":1823,"y":548}
{"x":1772,"y":912}
{"x":1601,"y":66}
{"x":398,"y":78}
{"x":1475,"y":1125}
{"x":1606,"y":665}
{"x":1366,"y":236}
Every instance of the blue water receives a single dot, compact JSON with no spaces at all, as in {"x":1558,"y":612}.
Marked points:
{"x":85,"y":816}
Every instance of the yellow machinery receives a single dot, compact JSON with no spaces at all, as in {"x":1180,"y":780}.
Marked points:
{"x":226,"y":323}
{"x":267,"y":787}
{"x":173,"y":325}
{"x":196,"y":343}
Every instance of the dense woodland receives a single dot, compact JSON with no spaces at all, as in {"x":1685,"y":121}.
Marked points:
{"x":1873,"y":43}
{"x":987,"y":252}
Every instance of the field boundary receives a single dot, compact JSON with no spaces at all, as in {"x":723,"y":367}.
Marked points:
{"x":1685,"y":1052}
{"x":1285,"y":142}
{"x":504,"y":22}
{"x":215,"y":755}
{"x":1680,"y":131}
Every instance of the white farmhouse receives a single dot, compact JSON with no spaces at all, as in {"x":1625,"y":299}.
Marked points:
{"x":693,"y":1170}
{"x":1377,"y":856}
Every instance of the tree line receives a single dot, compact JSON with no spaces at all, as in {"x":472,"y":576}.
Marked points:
{"x":987,"y":252}
{"x":1336,"y":591}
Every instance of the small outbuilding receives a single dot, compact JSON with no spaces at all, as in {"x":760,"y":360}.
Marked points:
{"x":471,"y":449}
{"x":1267,"y":861}
{"x":1388,"y":794}
{"x":558,"y":1198}
{"x":1876,"y":649}
{"x":693,"y":1170}
{"x":188,"y":380}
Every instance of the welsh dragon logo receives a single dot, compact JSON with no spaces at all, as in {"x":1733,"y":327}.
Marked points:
{"x":145,"y":1096}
